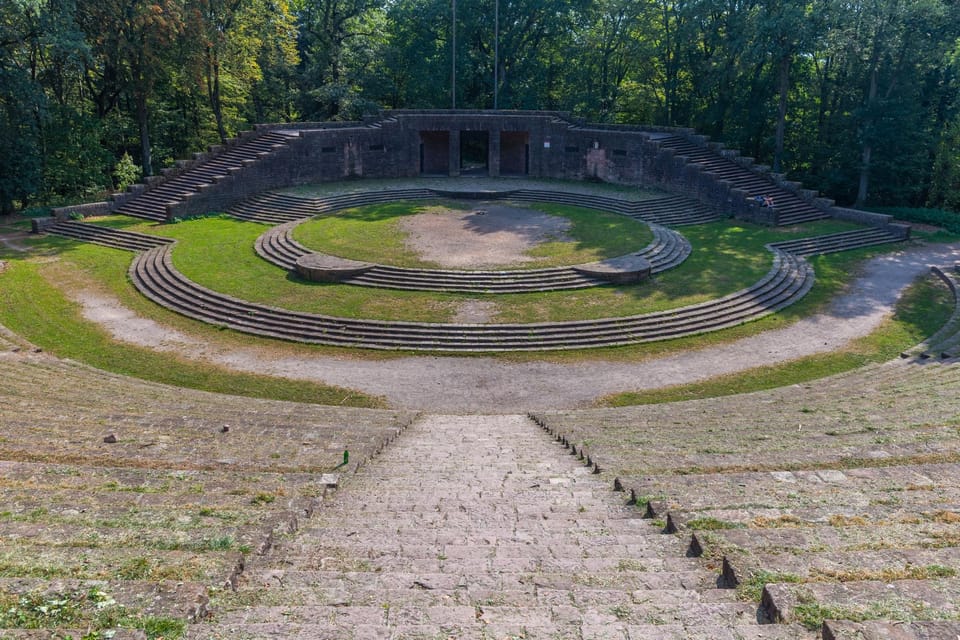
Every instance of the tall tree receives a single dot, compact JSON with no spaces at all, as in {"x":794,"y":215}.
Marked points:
{"x":129,"y":40}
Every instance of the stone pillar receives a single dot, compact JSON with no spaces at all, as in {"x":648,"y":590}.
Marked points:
{"x":493,"y":152}
{"x":454,"y":153}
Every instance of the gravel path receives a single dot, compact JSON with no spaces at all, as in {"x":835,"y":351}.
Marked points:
{"x":486,"y":385}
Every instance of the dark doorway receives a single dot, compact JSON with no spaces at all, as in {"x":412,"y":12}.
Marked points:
{"x":474,"y":153}
{"x":435,"y":153}
{"x":514,"y":153}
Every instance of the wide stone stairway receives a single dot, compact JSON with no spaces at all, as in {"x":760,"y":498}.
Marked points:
{"x":481,"y":527}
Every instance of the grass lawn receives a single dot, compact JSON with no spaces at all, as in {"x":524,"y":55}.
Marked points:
{"x":726,"y":257}
{"x":33,"y":306}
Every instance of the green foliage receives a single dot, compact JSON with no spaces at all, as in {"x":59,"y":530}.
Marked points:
{"x":125,"y":172}
{"x":76,"y":166}
{"x":858,"y":100}
{"x":20,"y":153}
{"x":92,"y":608}
{"x":949,"y":220}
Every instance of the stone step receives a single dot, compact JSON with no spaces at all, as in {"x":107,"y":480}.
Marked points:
{"x":839,"y":515}
{"x":869,"y":599}
{"x":929,"y":485}
{"x":185,"y":600}
{"x":19,"y":556}
{"x":64,"y":634}
{"x":800,"y":540}
{"x":891,"y":630}
{"x":850,"y":566}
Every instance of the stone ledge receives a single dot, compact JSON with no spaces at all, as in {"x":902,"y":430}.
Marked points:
{"x":320,"y":267}
{"x":627,"y":269}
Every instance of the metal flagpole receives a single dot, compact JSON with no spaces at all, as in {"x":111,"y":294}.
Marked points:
{"x":453,"y":59}
{"x":496,"y":54}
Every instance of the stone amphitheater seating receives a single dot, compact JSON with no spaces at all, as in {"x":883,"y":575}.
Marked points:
{"x":836,"y":242}
{"x":152,"y":272}
{"x":192,"y":483}
{"x":839,"y":498}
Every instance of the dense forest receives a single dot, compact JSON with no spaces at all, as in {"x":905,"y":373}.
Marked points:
{"x":856,"y":98}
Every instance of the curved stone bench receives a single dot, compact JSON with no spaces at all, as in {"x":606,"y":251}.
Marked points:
{"x":152,"y":272}
{"x":319,"y":267}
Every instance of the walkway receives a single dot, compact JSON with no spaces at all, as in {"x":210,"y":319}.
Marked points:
{"x":478,"y":385}
{"x":481,"y":527}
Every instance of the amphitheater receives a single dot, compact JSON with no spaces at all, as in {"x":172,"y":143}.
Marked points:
{"x":490,"y":496}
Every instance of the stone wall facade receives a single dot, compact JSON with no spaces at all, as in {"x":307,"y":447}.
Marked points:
{"x":537,"y":144}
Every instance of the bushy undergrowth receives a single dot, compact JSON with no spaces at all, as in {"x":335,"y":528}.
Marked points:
{"x":949,"y":220}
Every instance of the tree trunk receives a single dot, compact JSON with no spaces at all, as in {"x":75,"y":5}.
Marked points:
{"x":142,"y":119}
{"x":863,"y":188}
{"x":781,"y":113}
{"x":213,"y":93}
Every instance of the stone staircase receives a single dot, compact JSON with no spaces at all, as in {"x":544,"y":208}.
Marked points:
{"x":480,"y":527}
{"x":151,"y":202}
{"x":833,"y":500}
{"x":836,"y":242}
{"x":790,"y":208}
{"x":107,"y":237}
{"x":667,"y":250}
{"x":154,"y":275}
{"x":124,"y":504}
{"x":672,"y":211}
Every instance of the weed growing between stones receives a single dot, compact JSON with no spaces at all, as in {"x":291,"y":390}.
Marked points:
{"x":707,"y":523}
{"x":812,"y":614}
{"x":92,"y":608}
{"x":751,"y":588}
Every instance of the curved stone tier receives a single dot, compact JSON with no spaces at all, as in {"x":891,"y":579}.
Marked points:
{"x":667,"y":250}
{"x":154,"y":275}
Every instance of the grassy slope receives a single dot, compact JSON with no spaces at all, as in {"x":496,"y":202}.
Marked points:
{"x":32,"y":305}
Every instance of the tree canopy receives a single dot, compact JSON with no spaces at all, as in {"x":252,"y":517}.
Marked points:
{"x":856,"y":99}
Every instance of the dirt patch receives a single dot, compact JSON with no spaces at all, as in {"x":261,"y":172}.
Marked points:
{"x":486,"y":236}
{"x":475,"y":312}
